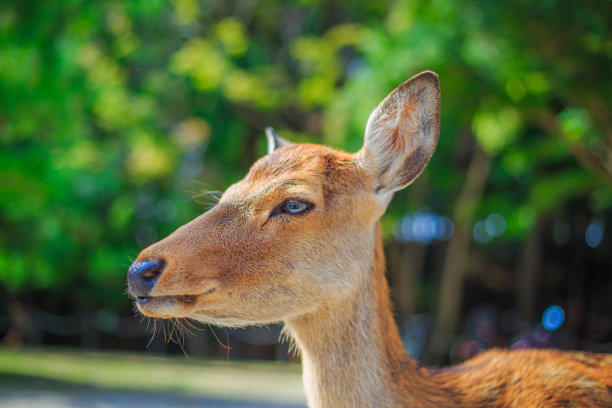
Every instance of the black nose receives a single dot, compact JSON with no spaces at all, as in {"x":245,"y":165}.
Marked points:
{"x":143,"y":275}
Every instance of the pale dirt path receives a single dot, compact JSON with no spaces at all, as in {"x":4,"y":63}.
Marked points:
{"x":59,"y":378}
{"x":94,"y":398}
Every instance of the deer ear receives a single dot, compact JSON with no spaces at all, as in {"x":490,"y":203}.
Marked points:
{"x":402,"y":133}
{"x":274,"y":140}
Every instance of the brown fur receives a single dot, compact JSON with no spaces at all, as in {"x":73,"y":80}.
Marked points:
{"x":322,"y":273}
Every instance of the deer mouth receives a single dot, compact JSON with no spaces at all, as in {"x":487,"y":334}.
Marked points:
{"x":167,"y":306}
{"x":186,"y":299}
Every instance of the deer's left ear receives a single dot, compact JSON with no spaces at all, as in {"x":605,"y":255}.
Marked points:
{"x":274,"y":140}
{"x":402,"y":133}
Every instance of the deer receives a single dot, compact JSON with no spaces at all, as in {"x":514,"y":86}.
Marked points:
{"x":298,"y":241}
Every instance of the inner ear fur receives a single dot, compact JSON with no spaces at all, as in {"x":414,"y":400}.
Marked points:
{"x":402,"y":133}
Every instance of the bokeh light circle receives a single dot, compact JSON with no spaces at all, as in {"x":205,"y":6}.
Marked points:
{"x":553,"y":317}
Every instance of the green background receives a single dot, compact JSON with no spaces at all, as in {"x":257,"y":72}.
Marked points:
{"x":120,"y":121}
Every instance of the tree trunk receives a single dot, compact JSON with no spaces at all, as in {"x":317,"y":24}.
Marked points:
{"x":453,"y":271}
{"x":405,"y":260}
{"x":528,"y":274}
{"x":405,"y":267}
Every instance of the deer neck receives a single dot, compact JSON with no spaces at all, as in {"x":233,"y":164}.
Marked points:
{"x":352,"y":354}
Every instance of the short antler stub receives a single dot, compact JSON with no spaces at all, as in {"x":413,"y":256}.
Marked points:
{"x":274,"y":140}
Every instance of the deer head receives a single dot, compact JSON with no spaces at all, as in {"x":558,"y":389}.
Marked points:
{"x":298,"y":232}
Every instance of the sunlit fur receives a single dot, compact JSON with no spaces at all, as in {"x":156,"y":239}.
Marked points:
{"x":322,"y":273}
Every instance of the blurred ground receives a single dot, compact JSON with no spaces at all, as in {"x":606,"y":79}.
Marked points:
{"x":63,"y":378}
{"x":87,"y":398}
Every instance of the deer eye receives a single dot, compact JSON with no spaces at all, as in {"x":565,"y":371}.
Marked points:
{"x":295,"y":207}
{"x":292,"y":207}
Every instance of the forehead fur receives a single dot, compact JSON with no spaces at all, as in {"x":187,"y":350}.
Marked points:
{"x":307,"y":158}
{"x":335,"y":169}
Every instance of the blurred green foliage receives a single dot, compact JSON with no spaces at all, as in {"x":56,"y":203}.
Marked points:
{"x":113,"y":115}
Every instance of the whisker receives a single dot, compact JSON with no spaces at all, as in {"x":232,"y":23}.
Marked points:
{"x":154,"y":331}
{"x":204,"y":195}
{"x":217,"y":338}
{"x":171,"y":331}
{"x":228,"y":346}
{"x":163,"y":326}
{"x":177,"y":336}
{"x":193,"y":325}
{"x":184,"y":330}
